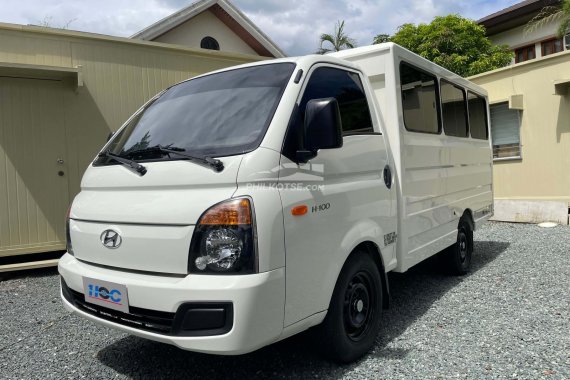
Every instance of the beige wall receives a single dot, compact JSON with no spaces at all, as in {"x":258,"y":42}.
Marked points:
{"x":543,"y":173}
{"x":205,"y":24}
{"x":118,"y":75}
{"x":518,"y":37}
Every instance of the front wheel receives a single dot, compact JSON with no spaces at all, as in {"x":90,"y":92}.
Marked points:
{"x":353,"y":319}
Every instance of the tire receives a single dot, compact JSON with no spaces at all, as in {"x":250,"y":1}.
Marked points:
{"x":458,"y":256}
{"x":353,"y":319}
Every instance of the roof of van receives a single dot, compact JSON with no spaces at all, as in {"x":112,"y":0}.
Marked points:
{"x":360,"y":56}
{"x":305,"y":60}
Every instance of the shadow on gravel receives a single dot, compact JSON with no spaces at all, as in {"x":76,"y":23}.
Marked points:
{"x":412,"y":292}
{"x":415,"y":291}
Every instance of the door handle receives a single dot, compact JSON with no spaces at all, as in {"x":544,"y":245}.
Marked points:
{"x":60,"y":161}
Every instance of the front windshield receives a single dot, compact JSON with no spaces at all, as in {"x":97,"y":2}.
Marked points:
{"x":216,"y":115}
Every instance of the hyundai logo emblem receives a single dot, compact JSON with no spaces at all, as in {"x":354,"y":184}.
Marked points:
{"x":111,"y":239}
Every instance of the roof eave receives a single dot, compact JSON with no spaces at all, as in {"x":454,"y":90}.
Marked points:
{"x":513,"y":16}
{"x":164,"y":25}
{"x":248,"y":25}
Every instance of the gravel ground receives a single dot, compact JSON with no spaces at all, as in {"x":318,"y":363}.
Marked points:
{"x":510,"y":318}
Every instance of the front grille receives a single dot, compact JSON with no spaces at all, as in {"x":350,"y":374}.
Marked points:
{"x":149,"y":320}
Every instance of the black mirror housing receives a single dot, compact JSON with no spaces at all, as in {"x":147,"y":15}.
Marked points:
{"x":323,"y":126}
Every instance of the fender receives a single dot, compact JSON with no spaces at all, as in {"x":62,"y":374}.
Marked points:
{"x":367,"y":234}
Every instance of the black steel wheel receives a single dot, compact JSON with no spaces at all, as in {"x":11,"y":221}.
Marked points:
{"x":353,"y":319}
{"x":458,"y":256}
{"x":359,"y":307}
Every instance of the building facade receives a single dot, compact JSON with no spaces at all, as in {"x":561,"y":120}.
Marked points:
{"x":530,"y":118}
{"x":215,"y":25}
{"x":511,"y":27}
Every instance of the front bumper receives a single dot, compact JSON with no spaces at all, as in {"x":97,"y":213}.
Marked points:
{"x":257,"y":304}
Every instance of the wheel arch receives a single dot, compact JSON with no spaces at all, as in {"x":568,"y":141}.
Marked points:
{"x":468,"y":217}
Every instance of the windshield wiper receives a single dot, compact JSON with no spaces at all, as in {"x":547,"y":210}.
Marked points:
{"x":213,"y":163}
{"x":133,"y":165}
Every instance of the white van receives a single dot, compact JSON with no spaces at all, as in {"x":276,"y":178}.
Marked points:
{"x":238,"y":208}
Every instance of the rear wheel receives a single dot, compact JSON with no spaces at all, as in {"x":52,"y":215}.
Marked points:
{"x":353,"y":318}
{"x":458,"y":256}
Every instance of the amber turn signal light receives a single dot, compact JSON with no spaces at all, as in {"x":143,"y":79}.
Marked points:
{"x":230,"y":213}
{"x":299,"y":210}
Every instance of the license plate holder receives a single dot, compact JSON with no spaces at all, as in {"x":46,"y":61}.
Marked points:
{"x":106,"y":294}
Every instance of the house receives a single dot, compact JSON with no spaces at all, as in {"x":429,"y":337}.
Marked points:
{"x":215,"y":25}
{"x":529,"y":112}
{"x":510,"y":27}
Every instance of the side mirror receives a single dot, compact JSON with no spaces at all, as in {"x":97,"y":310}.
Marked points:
{"x":323,"y":128}
{"x":111,"y":134}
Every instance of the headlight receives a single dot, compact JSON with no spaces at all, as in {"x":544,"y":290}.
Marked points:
{"x":224,"y":240}
{"x":68,"y":245}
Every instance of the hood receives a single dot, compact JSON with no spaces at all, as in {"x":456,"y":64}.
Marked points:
{"x":170,"y":193}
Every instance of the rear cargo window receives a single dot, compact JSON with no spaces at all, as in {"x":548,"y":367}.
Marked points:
{"x":478,"y":117}
{"x":453,"y":110}
{"x":419,"y":100}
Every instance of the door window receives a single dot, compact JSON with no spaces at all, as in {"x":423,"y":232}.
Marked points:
{"x":346,"y":87}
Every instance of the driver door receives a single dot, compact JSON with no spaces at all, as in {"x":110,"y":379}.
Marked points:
{"x":343,"y":189}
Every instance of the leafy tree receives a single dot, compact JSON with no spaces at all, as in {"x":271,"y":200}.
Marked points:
{"x":456,"y":43}
{"x":380,"y":38}
{"x":337,"y":41}
{"x":552,"y":13}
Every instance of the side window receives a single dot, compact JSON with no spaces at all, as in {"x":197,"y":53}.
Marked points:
{"x":419,"y":100}
{"x":477,"y":116}
{"x":453,"y":110}
{"x":346,"y":88}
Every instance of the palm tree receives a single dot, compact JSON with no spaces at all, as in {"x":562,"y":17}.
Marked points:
{"x":339,"y":40}
{"x":552,"y":13}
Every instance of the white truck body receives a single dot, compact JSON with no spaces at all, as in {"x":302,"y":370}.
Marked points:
{"x":438,"y":176}
{"x":397,"y":195}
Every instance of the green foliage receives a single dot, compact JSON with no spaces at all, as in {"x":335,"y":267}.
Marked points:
{"x":380,"y":38}
{"x":552,"y":13}
{"x":456,"y":43}
{"x":337,"y":41}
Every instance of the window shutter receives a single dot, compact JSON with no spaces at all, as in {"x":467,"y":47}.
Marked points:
{"x":505,"y":124}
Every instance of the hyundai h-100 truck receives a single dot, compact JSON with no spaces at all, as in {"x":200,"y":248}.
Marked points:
{"x":243,"y":206}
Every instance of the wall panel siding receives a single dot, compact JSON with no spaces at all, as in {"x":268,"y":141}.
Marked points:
{"x":20,"y":47}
